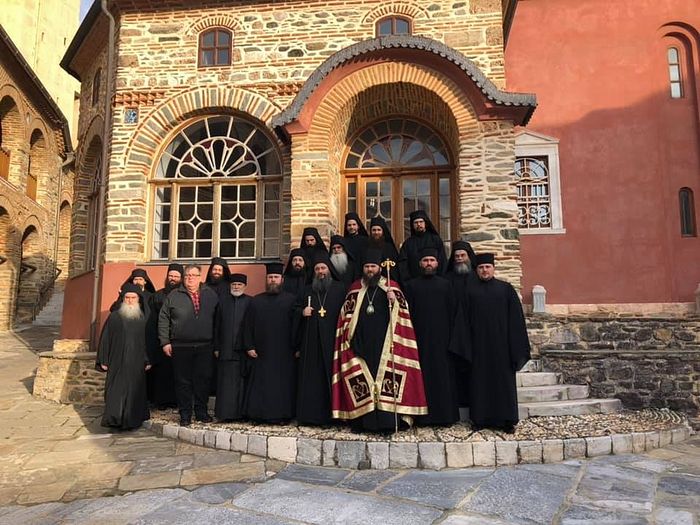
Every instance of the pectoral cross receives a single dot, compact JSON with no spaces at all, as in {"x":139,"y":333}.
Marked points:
{"x":322,"y":312}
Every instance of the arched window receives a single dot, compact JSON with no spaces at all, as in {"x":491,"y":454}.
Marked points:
{"x":217,"y":192}
{"x":96,"y":82}
{"x":394,"y":25}
{"x":674,"y":72}
{"x":687,"y":209}
{"x":215,"y":48}
{"x":93,"y":214}
{"x":36,"y":163}
{"x":397,"y":166}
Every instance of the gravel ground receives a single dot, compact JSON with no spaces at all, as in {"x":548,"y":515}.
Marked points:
{"x":554,"y":427}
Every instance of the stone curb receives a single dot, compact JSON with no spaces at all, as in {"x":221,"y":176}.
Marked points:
{"x":381,"y":455}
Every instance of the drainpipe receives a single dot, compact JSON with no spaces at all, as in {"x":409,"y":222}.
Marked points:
{"x":106,"y":138}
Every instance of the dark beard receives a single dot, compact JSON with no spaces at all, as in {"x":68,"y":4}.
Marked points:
{"x":294,"y":272}
{"x":371,"y":281}
{"x":376,"y":243}
{"x":321,"y":285}
{"x":462,"y":268}
{"x":273,"y":289}
{"x":427,"y":271}
{"x":215,"y":279}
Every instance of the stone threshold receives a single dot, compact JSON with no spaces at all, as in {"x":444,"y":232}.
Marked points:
{"x":381,"y":455}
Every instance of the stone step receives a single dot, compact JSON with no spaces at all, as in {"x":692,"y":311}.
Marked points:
{"x":52,"y":312}
{"x":533,"y":365}
{"x":538,"y":394}
{"x":537,"y":378}
{"x":575,"y":407}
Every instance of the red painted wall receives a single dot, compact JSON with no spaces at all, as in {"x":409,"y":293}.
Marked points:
{"x":77,"y":308}
{"x":600,"y":73}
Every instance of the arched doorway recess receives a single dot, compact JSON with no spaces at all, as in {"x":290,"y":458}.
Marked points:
{"x":398,"y":165}
{"x":7,"y":269}
{"x":29,"y":284}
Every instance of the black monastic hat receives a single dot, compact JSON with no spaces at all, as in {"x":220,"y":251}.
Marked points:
{"x":274,"y":268}
{"x":355,"y":217}
{"x":176,"y":267}
{"x":239,"y":278}
{"x":372,"y":256}
{"x":485,"y":258}
{"x":429,"y":251}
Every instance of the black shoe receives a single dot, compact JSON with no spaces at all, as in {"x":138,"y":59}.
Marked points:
{"x":206,"y":418}
{"x":185,"y":421}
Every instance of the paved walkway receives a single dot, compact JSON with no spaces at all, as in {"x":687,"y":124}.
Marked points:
{"x":57,"y":465}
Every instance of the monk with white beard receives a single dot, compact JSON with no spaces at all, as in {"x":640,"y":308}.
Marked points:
{"x":343,"y":261}
{"x":122,"y":354}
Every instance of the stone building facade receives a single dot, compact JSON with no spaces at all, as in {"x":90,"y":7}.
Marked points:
{"x":235,"y":125}
{"x":36,"y":189}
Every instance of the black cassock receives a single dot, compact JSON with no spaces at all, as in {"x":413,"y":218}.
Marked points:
{"x":160,"y":378}
{"x":410,"y":254}
{"x":230,"y":388}
{"x":460,"y":345}
{"x":499,"y":348}
{"x":431,"y":302}
{"x":294,"y":283}
{"x":316,"y":354}
{"x":356,"y":245}
{"x":268,"y":327}
{"x":123,"y":349}
{"x":367,"y":343}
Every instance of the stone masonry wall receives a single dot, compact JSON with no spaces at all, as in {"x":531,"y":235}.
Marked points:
{"x":276,"y":47}
{"x":644,"y":362}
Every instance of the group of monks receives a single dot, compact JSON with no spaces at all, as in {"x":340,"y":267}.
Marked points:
{"x":359,"y":331}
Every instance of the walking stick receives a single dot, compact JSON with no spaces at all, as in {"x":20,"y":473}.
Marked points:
{"x":388,"y":264}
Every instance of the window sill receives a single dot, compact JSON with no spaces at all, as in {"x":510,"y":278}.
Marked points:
{"x":543,"y":231}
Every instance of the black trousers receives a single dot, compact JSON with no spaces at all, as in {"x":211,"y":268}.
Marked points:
{"x":192,"y":365}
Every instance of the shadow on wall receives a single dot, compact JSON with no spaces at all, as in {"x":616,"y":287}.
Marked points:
{"x":621,"y":170}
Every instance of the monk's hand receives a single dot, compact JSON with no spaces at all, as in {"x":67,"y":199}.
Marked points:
{"x":252,"y":353}
{"x":308,"y":311}
{"x":148,"y":367}
{"x":297,"y":354}
{"x":168,"y":350}
{"x":391,"y":296}
{"x":216,"y":354}
{"x":103,"y":367}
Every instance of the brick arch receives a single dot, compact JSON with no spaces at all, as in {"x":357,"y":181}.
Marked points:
{"x":80,"y":232}
{"x":32,"y":263}
{"x":214,"y":20}
{"x":94,"y":129}
{"x":39,"y":169}
{"x":9,"y":250}
{"x":411,"y":10}
{"x":12,"y":133}
{"x":339,"y":103}
{"x":153,"y":130}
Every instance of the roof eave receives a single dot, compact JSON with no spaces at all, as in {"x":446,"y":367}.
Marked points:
{"x":83,"y":31}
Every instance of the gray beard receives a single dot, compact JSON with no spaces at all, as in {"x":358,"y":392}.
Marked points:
{"x":273,"y":289}
{"x":462,"y":268}
{"x":371,"y":281}
{"x":321,"y":285}
{"x":130,"y":311}
{"x":237,"y":294}
{"x":340,"y":261}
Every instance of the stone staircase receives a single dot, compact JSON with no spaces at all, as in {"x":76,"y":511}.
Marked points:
{"x":543,"y":394}
{"x":51,"y":314}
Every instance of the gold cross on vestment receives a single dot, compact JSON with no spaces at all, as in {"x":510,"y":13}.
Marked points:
{"x":322,"y":312}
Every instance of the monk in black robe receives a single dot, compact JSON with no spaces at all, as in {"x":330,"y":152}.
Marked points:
{"x":356,"y":239}
{"x":228,"y":349}
{"x":140,"y":278}
{"x":343,"y":261}
{"x":122,"y":354}
{"x":218,"y":276}
{"x":161,"y":379}
{"x":268,"y":335}
{"x":319,"y":309}
{"x":423,"y":235}
{"x":381,"y":240}
{"x":312,"y":243}
{"x":296,"y":273}
{"x":460,"y":270}
{"x":500,"y":347}
{"x":432,"y":306}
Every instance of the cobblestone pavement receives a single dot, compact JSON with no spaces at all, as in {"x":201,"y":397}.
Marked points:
{"x":57,"y":465}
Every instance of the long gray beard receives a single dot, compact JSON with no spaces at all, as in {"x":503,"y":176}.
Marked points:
{"x":371,"y":281}
{"x":321,"y":285}
{"x":340,"y":261}
{"x":130,"y":311}
{"x":462,"y":268}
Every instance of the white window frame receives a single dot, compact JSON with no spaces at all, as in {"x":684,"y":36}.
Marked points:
{"x":531,"y":144}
